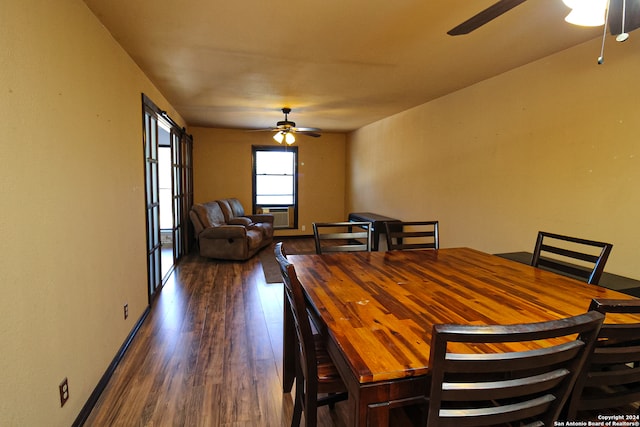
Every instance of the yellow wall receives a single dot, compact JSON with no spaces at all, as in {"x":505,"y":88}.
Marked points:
{"x":552,"y":146}
{"x":72,"y":222}
{"x":222,"y":168}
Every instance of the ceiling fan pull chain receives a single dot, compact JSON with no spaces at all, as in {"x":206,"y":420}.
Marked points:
{"x":623,"y":35}
{"x":604,"y":34}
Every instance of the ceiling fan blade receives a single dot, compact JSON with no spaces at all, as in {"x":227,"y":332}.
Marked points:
{"x":489,"y":14}
{"x":263,"y":130}
{"x":632,"y":16}
{"x":309,"y":133}
{"x":286,"y":126}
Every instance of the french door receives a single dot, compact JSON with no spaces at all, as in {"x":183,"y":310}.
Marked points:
{"x":181,"y":191}
{"x":182,"y":194}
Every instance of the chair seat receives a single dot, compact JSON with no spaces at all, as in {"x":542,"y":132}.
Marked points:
{"x":609,"y":397}
{"x":329,"y":380}
{"x":611,"y":380}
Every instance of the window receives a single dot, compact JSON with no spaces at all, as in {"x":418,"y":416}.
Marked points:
{"x":275,"y":183}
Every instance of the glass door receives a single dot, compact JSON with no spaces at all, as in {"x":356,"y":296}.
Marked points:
{"x":152,"y":203}
{"x":182,"y":147}
{"x":165,"y":149}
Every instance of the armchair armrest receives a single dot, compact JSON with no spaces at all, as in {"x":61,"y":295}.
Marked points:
{"x":261,"y":218}
{"x":240,"y":220}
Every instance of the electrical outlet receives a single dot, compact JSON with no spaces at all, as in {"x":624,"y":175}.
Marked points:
{"x":126,"y":311}
{"x":304,"y":228}
{"x":64,"y":392}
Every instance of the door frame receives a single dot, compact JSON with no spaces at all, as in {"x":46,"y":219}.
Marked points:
{"x":182,"y":191}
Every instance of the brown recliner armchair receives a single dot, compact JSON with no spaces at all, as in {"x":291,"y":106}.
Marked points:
{"x":221,"y":240}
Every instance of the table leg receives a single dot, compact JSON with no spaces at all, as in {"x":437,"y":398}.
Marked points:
{"x":375,"y":236}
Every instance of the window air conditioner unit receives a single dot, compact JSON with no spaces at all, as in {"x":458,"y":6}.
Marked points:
{"x":280,"y":216}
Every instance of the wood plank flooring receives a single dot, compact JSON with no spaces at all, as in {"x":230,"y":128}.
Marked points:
{"x":208,"y":354}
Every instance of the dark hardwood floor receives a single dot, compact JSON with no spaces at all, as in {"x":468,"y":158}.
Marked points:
{"x":208,"y":354}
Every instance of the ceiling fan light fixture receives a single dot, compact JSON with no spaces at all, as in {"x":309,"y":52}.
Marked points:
{"x":279,"y":137}
{"x":285,"y":130}
{"x":586,"y":13}
{"x":289,"y":138}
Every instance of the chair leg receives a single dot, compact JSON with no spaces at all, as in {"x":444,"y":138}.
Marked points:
{"x":332,"y":403}
{"x":331,"y":399}
{"x":297,"y":410}
{"x":311,"y":414}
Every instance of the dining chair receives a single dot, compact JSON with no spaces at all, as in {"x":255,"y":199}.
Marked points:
{"x":571,"y":256}
{"x":347,"y":236}
{"x":611,"y":378}
{"x":512,"y":379}
{"x":315,"y":372}
{"x":402,"y":235}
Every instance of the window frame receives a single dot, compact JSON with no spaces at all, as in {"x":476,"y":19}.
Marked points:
{"x":257,"y":208}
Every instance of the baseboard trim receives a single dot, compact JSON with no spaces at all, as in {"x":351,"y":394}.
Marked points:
{"x":102,"y":384}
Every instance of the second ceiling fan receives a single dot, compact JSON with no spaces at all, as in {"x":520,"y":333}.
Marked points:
{"x":631,"y":21}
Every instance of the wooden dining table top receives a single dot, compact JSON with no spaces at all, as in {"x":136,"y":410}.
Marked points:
{"x":379,"y":307}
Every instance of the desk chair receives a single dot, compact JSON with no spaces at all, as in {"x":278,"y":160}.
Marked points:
{"x":315,"y":371}
{"x":579,"y":258}
{"x":499,"y":386}
{"x":412,"y":235}
{"x":611,"y":378}
{"x":342,"y":236}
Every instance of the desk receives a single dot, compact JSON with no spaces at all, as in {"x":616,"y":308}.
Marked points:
{"x":377,"y":310}
{"x":377,"y":224}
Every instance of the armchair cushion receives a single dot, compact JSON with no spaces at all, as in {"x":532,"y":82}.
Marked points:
{"x":231,"y":208}
{"x":209,"y":214}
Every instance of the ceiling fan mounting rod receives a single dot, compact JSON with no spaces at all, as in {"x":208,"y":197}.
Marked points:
{"x":286,"y":123}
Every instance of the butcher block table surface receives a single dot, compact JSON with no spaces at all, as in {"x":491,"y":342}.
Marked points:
{"x":377,"y":309}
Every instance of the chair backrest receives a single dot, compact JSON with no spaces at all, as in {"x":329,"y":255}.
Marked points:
{"x":304,"y":334}
{"x":611,"y":378}
{"x":579,"y":258}
{"x":402,"y":235}
{"x":342,"y":236}
{"x":501,"y":386}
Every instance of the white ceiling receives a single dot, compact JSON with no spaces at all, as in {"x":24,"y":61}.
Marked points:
{"x":339,"y":64}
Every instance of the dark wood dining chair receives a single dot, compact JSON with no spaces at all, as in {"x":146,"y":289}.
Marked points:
{"x":499,"y":386}
{"x":403,"y":235}
{"x":315,"y":372}
{"x":571,"y":256}
{"x":346,"y":236}
{"x":611,"y":378}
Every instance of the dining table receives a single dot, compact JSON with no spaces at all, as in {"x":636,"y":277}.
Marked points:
{"x":376,"y":311}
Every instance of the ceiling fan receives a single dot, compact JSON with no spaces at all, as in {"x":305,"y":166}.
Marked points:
{"x":632,"y":16}
{"x":285,"y":129}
